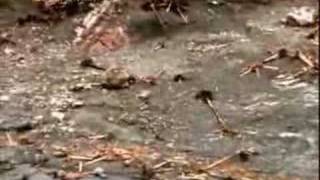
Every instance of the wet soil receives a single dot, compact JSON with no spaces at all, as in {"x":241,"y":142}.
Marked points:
{"x":47,"y":98}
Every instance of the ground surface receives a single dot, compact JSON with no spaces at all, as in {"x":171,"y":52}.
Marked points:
{"x":277,"y":115}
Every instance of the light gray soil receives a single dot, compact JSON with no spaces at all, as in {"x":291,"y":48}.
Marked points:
{"x":276,"y":115}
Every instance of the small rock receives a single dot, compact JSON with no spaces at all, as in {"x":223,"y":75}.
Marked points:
{"x":290,"y":135}
{"x":117,"y":78}
{"x":38,"y":118}
{"x":16,"y":125}
{"x":77,"y":104}
{"x":67,"y":129}
{"x":99,"y":172}
{"x":9,"y":51}
{"x":59,"y":154}
{"x":5,"y":98}
{"x":182,"y":77}
{"x":159,"y":45}
{"x":215,"y":2}
{"x":304,"y":16}
{"x":144,"y":94}
{"x":61,"y":173}
{"x":58,"y":115}
{"x":80,"y":86}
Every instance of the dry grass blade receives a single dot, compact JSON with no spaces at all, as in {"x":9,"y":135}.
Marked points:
{"x":103,"y":158}
{"x":81,"y":158}
{"x":80,"y":166}
{"x":243,"y":154}
{"x":11,"y":142}
{"x":301,"y":56}
{"x":220,"y":161}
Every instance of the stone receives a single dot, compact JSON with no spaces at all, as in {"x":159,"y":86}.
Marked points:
{"x":304,"y":16}
{"x":215,"y":2}
{"x":144,"y":94}
{"x":4,"y":98}
{"x":77,"y":104}
{"x":117,"y":78}
{"x":98,"y":171}
{"x":15,"y":124}
{"x":9,"y":51}
{"x":58,"y":115}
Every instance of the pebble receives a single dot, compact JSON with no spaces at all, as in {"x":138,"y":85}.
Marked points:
{"x":303,"y":16}
{"x":215,"y":2}
{"x":5,"y":98}
{"x":290,"y":135}
{"x":58,"y":115}
{"x":98,"y":171}
{"x":9,"y":51}
{"x":117,"y":78}
{"x":77,"y":104}
{"x":144,"y":94}
{"x":38,"y":118}
{"x":15,"y":124}
{"x":59,"y":154}
{"x":67,"y":129}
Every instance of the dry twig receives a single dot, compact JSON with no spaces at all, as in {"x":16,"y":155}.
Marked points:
{"x":256,"y":67}
{"x":207,"y":97}
{"x":96,"y":160}
{"x":301,"y":56}
{"x":242,"y":153}
{"x":11,"y":142}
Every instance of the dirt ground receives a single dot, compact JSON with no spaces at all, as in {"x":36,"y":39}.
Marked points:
{"x":58,"y":122}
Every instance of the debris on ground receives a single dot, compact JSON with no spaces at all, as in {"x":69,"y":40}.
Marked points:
{"x":37,"y":18}
{"x":103,"y":27}
{"x":69,"y":113}
{"x":314,"y":36}
{"x":144,"y":94}
{"x":178,"y":7}
{"x":206,"y":96}
{"x":5,"y":39}
{"x":16,"y":124}
{"x":181,"y":77}
{"x":117,"y":77}
{"x":70,"y":7}
{"x":311,"y":64}
{"x":88,"y":62}
{"x":303,"y":16}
